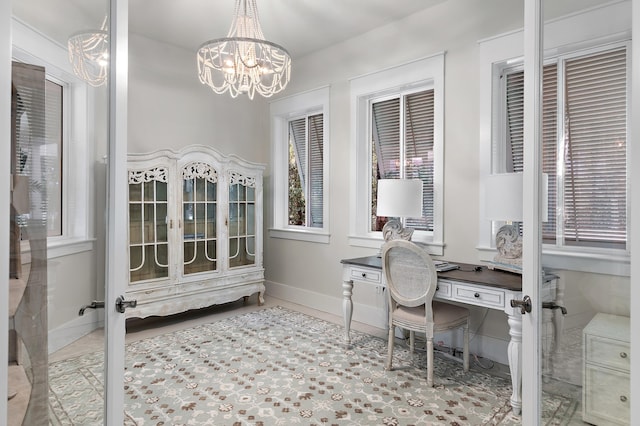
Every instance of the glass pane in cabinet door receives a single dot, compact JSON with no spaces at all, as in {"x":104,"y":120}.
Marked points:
{"x":199,"y":256}
{"x":210,"y":230}
{"x":199,"y":234}
{"x":212,"y":191}
{"x":251,"y":219}
{"x":149,"y":191}
{"x":251,"y":249}
{"x":187,"y":191}
{"x":148,"y":234}
{"x":135,"y":223}
{"x":242,"y":219}
{"x":161,"y":222}
{"x":233,"y":192}
{"x":239,"y":253}
{"x":251,"y":194}
{"x":148,"y":262}
{"x":161,"y":191}
{"x":188,"y":215}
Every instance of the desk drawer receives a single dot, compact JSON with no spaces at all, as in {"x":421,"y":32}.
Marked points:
{"x":443,"y":290}
{"x":476,"y":296}
{"x":607,"y":352}
{"x":366,"y":275}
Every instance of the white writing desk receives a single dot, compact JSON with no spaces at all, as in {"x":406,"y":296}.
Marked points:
{"x":486,"y":288}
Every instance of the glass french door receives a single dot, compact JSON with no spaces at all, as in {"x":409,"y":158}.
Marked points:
{"x":64,"y":133}
{"x":576,"y":341}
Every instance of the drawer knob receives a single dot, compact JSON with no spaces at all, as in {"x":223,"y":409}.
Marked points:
{"x":623,"y":354}
{"x":364,"y":275}
{"x":476,"y":295}
{"x":437,"y":287}
{"x":623,"y":398}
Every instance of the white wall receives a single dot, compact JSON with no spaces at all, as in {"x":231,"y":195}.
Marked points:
{"x":170,"y":108}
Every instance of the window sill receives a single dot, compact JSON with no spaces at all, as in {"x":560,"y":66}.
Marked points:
{"x":59,"y":247}
{"x":376,"y":242}
{"x":300,"y":235}
{"x":597,"y":262}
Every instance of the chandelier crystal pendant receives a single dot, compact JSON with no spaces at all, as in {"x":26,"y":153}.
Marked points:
{"x":244,"y":62}
{"x":89,"y":55}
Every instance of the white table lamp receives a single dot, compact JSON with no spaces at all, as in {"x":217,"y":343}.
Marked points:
{"x":398,"y":198}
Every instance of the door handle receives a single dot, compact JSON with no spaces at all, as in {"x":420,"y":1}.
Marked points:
{"x":94,"y":305}
{"x":122,"y":305}
{"x":524,"y":304}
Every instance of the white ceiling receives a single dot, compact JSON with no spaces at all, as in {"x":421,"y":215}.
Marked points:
{"x":300,"y":26}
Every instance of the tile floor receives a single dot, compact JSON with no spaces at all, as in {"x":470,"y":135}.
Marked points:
{"x":143,"y":328}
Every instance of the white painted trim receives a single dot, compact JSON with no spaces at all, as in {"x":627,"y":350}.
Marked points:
{"x":73,"y":330}
{"x":300,"y":235}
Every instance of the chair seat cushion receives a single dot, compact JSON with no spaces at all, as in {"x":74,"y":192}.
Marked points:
{"x":444,"y":314}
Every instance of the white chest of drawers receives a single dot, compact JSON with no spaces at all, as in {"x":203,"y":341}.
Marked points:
{"x":607,"y":356}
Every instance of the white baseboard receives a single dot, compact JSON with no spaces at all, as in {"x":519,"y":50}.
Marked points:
{"x":73,"y":330}
{"x":484,"y":346}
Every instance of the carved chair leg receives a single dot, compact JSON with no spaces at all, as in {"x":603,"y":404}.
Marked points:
{"x":390,"y":345}
{"x":430,"y":362}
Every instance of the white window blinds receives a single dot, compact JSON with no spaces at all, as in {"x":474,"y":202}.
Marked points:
{"x":591,"y":195}
{"x":306,"y":202}
{"x":402,"y":145}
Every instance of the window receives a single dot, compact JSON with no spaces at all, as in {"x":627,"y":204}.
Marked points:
{"x":306,"y":185}
{"x":66,"y":152}
{"x":584,"y":145}
{"x":397,"y":114}
{"x":300,"y":168}
{"x":584,"y":136}
{"x":403,"y":148}
{"x":39,"y":139}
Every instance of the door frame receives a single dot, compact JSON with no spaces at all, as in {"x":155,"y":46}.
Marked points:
{"x":117,"y":208}
{"x":5,"y":166}
{"x":532,"y":238}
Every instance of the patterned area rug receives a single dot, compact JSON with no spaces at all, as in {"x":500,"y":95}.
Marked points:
{"x":277,"y":367}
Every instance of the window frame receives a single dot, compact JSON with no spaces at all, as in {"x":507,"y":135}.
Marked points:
{"x":422,"y":74}
{"x":77,"y":158}
{"x":575,"y":34}
{"x":282,"y":111}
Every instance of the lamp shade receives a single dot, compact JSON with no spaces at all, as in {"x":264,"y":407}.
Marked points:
{"x":399,"y":198}
{"x":504,"y":197}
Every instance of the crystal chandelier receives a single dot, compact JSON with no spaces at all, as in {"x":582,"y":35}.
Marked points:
{"x":89,"y":55}
{"x":244,"y":62}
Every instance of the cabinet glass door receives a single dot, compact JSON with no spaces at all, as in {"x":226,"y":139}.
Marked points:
{"x":242,"y":221}
{"x":199,"y":204}
{"x":148,"y":217}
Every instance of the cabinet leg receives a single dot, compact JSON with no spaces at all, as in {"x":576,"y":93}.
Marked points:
{"x":260,"y":298}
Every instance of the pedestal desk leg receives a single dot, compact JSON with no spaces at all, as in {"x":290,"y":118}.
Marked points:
{"x":347,"y":308}
{"x":515,"y":360}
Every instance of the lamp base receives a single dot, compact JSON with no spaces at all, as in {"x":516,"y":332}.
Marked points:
{"x":509,"y":246}
{"x":393,"y":230}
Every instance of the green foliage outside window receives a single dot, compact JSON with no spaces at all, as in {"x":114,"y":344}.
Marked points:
{"x":296,"y":194}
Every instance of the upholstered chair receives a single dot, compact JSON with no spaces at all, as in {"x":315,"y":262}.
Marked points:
{"x":411,"y":283}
